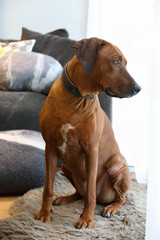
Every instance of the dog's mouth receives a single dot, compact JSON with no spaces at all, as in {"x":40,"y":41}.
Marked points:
{"x":124,"y":91}
{"x":110,"y":93}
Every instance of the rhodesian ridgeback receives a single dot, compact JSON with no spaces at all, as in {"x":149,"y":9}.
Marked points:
{"x":76,"y":129}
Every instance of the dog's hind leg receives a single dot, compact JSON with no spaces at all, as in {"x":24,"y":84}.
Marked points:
{"x":119,"y":175}
{"x":70,"y":198}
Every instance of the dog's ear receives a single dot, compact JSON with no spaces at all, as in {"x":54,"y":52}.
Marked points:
{"x":86,"y":51}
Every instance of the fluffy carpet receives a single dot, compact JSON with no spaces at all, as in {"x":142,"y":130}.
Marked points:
{"x":128,"y":223}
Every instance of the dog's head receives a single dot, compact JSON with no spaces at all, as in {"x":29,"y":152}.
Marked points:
{"x":105,"y":61}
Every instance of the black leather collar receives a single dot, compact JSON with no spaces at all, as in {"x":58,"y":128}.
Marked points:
{"x":69,"y":85}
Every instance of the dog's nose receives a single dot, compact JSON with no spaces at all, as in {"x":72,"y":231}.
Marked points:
{"x":136,"y":88}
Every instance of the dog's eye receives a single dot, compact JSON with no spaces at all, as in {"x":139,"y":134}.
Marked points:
{"x":117,"y":62}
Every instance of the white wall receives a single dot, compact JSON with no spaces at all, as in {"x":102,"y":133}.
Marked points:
{"x":43,"y":16}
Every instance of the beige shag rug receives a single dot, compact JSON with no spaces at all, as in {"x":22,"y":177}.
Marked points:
{"x":128,"y":223}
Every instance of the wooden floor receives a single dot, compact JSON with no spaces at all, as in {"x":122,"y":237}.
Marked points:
{"x":5,"y":203}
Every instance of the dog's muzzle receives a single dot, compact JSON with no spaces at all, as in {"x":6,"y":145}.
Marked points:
{"x":124,"y":91}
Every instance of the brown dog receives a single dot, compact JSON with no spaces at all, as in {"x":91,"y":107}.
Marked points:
{"x":75,"y":128}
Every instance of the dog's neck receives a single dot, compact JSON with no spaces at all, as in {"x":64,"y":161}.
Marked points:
{"x":84,"y":83}
{"x":70,"y":86}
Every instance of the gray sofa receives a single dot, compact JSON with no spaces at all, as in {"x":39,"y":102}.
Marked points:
{"x":19,"y":110}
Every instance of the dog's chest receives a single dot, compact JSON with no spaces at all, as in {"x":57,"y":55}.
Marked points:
{"x":67,"y":142}
{"x":64,"y":130}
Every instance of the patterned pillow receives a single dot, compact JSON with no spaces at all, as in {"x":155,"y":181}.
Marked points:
{"x":25,"y":46}
{"x":28,"y":71}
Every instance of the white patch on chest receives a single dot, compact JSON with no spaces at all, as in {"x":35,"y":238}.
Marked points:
{"x":64,"y":131}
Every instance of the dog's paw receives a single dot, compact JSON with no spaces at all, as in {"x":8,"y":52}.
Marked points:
{"x":44,"y":216}
{"x":109,"y":211}
{"x":84,"y":223}
{"x":58,"y":201}
{"x":66,"y":199}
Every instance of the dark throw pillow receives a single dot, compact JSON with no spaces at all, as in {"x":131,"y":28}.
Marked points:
{"x":60,"y":32}
{"x":61,"y":48}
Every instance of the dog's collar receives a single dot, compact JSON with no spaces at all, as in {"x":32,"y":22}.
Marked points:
{"x":69,"y":85}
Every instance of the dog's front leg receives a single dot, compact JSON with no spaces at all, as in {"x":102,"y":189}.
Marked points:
{"x":51,"y":158}
{"x":87,"y":217}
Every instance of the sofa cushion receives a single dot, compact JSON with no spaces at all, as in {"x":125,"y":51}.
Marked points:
{"x":25,"y":46}
{"x":22,"y":166}
{"x":21,"y":71}
{"x":25,"y":137}
{"x":20,"y":110}
{"x":61,"y":48}
{"x":22,"y":161}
